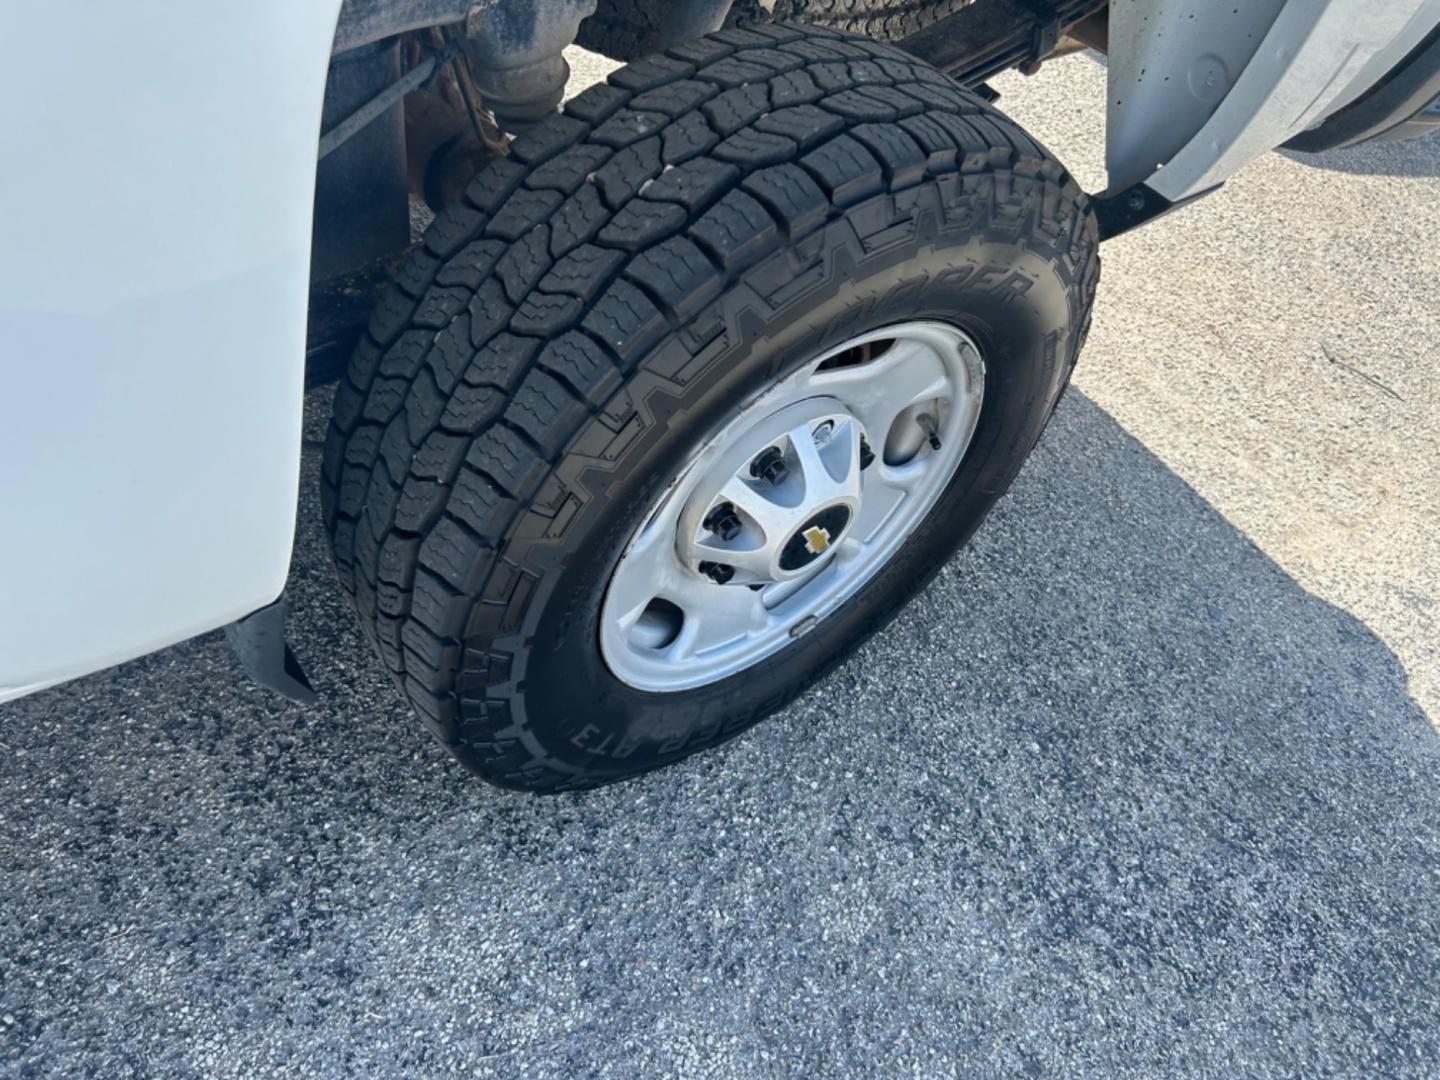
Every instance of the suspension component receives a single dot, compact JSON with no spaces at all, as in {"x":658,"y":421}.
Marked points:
{"x":516,"y":56}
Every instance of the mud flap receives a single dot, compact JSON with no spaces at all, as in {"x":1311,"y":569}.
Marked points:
{"x":259,"y":643}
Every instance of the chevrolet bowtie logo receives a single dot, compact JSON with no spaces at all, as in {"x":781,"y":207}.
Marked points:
{"x":817,"y":540}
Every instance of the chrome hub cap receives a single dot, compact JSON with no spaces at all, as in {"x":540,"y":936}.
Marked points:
{"x":781,"y":516}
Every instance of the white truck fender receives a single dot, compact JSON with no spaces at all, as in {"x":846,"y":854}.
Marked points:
{"x":155,"y":205}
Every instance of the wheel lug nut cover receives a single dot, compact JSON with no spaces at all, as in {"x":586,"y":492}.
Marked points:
{"x":723,"y":522}
{"x":717,"y":572}
{"x":770,"y":466}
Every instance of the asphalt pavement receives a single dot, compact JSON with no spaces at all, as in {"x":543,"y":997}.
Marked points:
{"x":1147,"y":783}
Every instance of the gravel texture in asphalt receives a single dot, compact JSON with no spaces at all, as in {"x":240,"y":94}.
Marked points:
{"x":1143,"y":785}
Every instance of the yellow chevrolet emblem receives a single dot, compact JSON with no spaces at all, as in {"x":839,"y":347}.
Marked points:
{"x":817,"y":540}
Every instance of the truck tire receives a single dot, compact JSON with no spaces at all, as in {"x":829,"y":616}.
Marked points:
{"x":712,"y":254}
{"x":624,"y":29}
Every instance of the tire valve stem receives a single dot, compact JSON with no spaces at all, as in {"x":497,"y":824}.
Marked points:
{"x":927,"y":422}
{"x":867,"y":456}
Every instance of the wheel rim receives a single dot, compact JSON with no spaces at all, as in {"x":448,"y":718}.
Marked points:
{"x":785,"y":513}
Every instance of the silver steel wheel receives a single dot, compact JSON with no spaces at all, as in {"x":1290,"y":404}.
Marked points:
{"x":780,"y":517}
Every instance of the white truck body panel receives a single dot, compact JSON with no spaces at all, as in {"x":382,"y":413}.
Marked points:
{"x":153,"y":288}
{"x":1198,"y":90}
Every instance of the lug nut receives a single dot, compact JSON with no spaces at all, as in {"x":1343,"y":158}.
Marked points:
{"x":723,"y":522}
{"x":717,"y":572}
{"x":824,"y":432}
{"x":770,"y":466}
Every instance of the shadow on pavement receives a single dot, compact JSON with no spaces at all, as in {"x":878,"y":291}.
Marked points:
{"x":1115,"y":797}
{"x":1415,"y":157}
